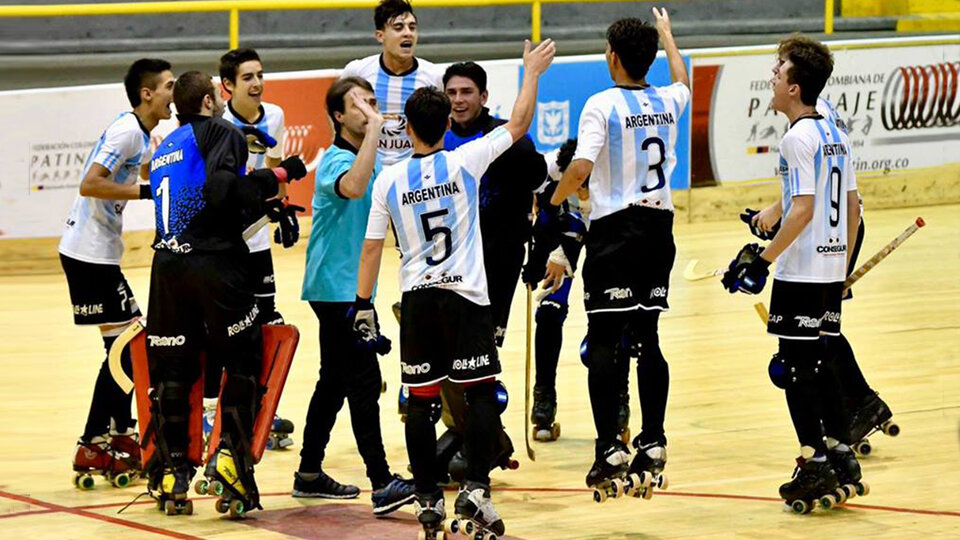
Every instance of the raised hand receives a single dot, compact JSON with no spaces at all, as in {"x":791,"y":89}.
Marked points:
{"x":663,"y":21}
{"x":537,"y":60}
{"x":357,"y":99}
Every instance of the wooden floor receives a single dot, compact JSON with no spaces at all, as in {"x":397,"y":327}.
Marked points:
{"x":731,"y":442}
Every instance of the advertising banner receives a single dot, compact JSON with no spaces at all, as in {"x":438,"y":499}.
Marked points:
{"x":901,"y":106}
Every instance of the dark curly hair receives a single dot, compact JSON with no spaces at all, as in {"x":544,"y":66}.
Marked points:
{"x":389,"y":10}
{"x":812,"y":65}
{"x":427,"y":110}
{"x":635,"y":43}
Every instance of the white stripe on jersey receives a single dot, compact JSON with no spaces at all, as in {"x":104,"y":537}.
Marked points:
{"x":392,"y":92}
{"x":432,"y":201}
{"x":94,"y":228}
{"x":815,"y":159}
{"x":629,"y":135}
{"x":270,"y":122}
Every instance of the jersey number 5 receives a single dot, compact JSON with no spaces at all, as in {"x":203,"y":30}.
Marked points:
{"x":658,"y":166}
{"x":430,"y":233}
{"x":164,"y":193}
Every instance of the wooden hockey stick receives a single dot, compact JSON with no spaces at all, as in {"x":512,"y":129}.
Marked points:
{"x":865,"y":267}
{"x":690,"y":273}
{"x":116,"y":352}
{"x":526,"y":393}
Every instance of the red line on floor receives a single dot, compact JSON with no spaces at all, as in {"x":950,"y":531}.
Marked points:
{"x":92,"y":515}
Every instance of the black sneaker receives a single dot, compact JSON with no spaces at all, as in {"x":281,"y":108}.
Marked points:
{"x":322,"y":487}
{"x":392,"y":496}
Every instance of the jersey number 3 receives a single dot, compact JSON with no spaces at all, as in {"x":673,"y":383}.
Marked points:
{"x":658,"y":166}
{"x":430,"y":235}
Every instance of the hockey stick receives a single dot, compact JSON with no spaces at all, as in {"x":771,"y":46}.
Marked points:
{"x":116,"y":352}
{"x":690,"y":272}
{"x":526,"y":393}
{"x":865,"y":267}
{"x":253,"y":229}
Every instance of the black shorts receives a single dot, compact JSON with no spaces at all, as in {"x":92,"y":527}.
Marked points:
{"x":629,"y":258}
{"x":804,"y":310}
{"x":261,"y":273}
{"x":445,"y":336}
{"x":99,"y":293}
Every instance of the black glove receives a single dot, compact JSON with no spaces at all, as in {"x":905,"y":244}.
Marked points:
{"x":748,"y":272}
{"x":257,"y":140}
{"x":536,"y":265}
{"x":747,"y":217}
{"x":367,"y":327}
{"x":285,"y":215}
{"x":294,"y":167}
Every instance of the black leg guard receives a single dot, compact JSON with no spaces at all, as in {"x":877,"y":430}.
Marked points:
{"x":604,"y":333}
{"x":421,"y":436}
{"x":549,"y":338}
{"x":481,"y":432}
{"x":852,"y":382}
{"x":801,"y":367}
{"x":109,"y":401}
{"x":653,"y":377}
{"x":238,"y":409}
{"x":836,"y":414}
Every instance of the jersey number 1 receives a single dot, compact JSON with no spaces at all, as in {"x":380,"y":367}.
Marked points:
{"x":430,"y":233}
{"x":164,"y":193}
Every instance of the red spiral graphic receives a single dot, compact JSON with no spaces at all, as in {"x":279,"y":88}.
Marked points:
{"x":921,"y":97}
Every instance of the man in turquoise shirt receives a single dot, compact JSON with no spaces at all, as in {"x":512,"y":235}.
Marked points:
{"x":348,"y":369}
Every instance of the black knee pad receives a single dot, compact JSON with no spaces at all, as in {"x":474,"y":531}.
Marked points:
{"x":431,"y":408}
{"x":239,"y":402}
{"x":173,"y":401}
{"x":600,"y":354}
{"x":551,"y":312}
{"x":798,"y":362}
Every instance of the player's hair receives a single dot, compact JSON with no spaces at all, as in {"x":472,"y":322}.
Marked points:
{"x":427,"y":110}
{"x":565,"y":155}
{"x":635,"y":43}
{"x":812,"y":65}
{"x":470,"y":70}
{"x":143,"y":74}
{"x":336,"y":93}
{"x":389,"y":10}
{"x":189,"y":91}
{"x":230,"y":62}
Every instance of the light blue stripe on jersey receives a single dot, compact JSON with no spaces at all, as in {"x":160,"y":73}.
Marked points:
{"x":472,"y":187}
{"x":818,"y":159}
{"x":615,"y":149}
{"x":398,"y":224}
{"x":407,"y":87}
{"x":640,"y":156}
{"x":442,"y":175}
{"x":836,"y":137}
{"x":382,"y":89}
{"x":415,"y":182}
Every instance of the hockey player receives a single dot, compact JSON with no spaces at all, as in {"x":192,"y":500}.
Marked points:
{"x":90,"y":252}
{"x":348,"y":370}
{"x":241,"y":75}
{"x":505,"y":193}
{"x":821,"y":209}
{"x":446,"y":329}
{"x":394,"y":74}
{"x":200,"y":291}
{"x":626,"y":145}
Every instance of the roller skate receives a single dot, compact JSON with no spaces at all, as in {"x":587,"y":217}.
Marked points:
{"x":544,"y":413}
{"x":231,"y":482}
{"x":606,"y":477}
{"x":431,"y":515}
{"x":870,"y":416}
{"x":847,"y":468}
{"x":457,"y":469}
{"x":126,"y":446}
{"x":97,"y":456}
{"x":172,"y":485}
{"x":623,"y":417}
{"x":476,"y":516}
{"x":646,"y":471}
{"x":814,"y":482}
{"x":280,"y":434}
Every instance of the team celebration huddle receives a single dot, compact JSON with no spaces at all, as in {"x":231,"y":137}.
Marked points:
{"x":474,"y":210}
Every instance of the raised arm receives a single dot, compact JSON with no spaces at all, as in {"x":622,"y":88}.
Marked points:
{"x":354,"y":183}
{"x":678,"y":70}
{"x":535,"y":62}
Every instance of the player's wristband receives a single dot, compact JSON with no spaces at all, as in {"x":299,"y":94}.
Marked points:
{"x":145,"y":191}
{"x":281,"y":174}
{"x":760,"y":262}
{"x":363,"y":303}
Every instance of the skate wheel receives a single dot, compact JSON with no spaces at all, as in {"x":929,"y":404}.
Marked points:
{"x":647,"y":493}
{"x":121,"y":480}
{"x":236,"y":508}
{"x":489,"y":536}
{"x":556,"y":431}
{"x":841,"y":494}
{"x":599,"y":495}
{"x":469,"y":528}
{"x":216,"y":488}
{"x":891,"y":429}
{"x":383,"y":387}
{"x":271,"y":442}
{"x":541,"y":435}
{"x":222,"y":506}
{"x":644,"y":479}
{"x":625,"y":436}
{"x":863,"y":447}
{"x":863,"y":489}
{"x":188,"y":508}
{"x":201,"y":487}
{"x":827,"y":501}
{"x":452,"y":526}
{"x":848,"y":492}
{"x":662,"y":482}
{"x":422,"y":535}
{"x":617,"y":488}
{"x":513,"y":464}
{"x":83,"y":481}
{"x":800,"y":507}
{"x":169,"y":507}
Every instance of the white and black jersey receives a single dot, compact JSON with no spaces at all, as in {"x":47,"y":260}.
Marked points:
{"x":433,"y":203}
{"x":629,"y":134}
{"x":815,"y":159}
{"x":94,"y":228}
{"x":392,"y":90}
{"x":270,"y":121}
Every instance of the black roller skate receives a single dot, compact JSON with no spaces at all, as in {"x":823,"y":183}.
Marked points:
{"x":98,"y":457}
{"x":870,"y":416}
{"x":457,"y":468}
{"x":280,"y":434}
{"x":171,"y":485}
{"x":623,"y":416}
{"x":544,"y":413}
{"x":476,"y":516}
{"x":126,"y":446}
{"x":231,"y":480}
{"x":606,"y":477}
{"x":813,"y":482}
{"x":847,"y":469}
{"x":646,"y":471}
{"x":428,"y":508}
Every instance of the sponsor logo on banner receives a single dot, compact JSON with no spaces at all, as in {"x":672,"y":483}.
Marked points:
{"x":553,"y":122}
{"x":57,"y":165}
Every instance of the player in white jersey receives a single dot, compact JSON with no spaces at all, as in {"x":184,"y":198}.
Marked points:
{"x":394,"y":74}
{"x":446,"y":327}
{"x":821,"y":210}
{"x":90,"y":251}
{"x":626,"y":145}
